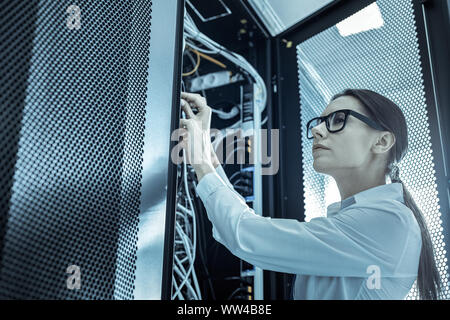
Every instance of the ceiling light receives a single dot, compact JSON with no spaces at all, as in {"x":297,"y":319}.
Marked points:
{"x":366,"y":19}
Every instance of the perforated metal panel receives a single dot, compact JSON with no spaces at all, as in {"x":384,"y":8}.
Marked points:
{"x":384,"y":59}
{"x":77,"y":96}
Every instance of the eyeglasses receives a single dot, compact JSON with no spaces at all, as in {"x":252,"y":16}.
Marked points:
{"x":336,"y":121}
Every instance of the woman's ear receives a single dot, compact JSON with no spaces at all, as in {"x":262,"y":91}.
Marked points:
{"x":384,"y":142}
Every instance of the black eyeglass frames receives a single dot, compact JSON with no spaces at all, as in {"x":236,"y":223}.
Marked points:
{"x":336,"y":121}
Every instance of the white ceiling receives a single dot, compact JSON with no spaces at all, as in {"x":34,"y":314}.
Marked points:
{"x":279,"y":15}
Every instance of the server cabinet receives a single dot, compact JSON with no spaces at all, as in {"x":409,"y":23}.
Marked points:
{"x":79,"y":116}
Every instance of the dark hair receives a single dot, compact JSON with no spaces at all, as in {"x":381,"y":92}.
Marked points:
{"x":390,"y":116}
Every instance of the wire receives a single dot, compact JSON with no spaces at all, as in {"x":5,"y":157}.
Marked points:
{"x":196,"y":72}
{"x":236,"y":291}
{"x":188,"y":285}
{"x":187,"y":245}
{"x":234,"y":175}
{"x":180,"y":296}
{"x":227,"y":115}
{"x":191,"y":31}
{"x":185,"y":241}
{"x":190,"y":246}
{"x":232,"y":154}
{"x":196,"y":66}
{"x":185,"y":210}
{"x":204,"y":55}
{"x":264,"y":121}
{"x":237,"y":181}
{"x":192,"y":45}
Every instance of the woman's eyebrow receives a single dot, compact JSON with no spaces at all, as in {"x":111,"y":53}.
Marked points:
{"x":326,"y":114}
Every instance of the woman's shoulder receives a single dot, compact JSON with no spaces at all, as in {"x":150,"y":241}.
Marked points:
{"x":383,"y":206}
{"x":387,"y":215}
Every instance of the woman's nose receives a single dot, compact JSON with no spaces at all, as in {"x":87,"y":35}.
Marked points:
{"x":319,"y":130}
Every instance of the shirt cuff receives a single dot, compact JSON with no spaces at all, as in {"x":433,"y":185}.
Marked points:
{"x":208,"y":185}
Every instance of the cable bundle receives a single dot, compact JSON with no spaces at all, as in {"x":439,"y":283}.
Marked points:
{"x":184,"y":279}
{"x":193,"y":34}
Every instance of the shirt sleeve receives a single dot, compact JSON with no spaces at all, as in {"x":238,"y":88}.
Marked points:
{"x":346,"y":244}
{"x":225,"y":179}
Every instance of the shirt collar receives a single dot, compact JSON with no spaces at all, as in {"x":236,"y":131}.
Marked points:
{"x":392,"y":191}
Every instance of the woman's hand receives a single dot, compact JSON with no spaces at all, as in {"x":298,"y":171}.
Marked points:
{"x":197,"y":139}
{"x":190,"y":101}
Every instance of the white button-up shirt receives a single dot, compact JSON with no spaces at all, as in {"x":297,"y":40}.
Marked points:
{"x":367,"y":247}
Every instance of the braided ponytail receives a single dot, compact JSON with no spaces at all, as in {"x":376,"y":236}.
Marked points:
{"x":428,"y":279}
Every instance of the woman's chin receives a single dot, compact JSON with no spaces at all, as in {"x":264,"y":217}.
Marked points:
{"x":319,"y":166}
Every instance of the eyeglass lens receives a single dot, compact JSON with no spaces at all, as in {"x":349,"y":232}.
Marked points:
{"x":335,"y":121}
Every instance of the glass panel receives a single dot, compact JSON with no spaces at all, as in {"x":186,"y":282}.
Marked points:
{"x":279,"y":15}
{"x":383,"y":57}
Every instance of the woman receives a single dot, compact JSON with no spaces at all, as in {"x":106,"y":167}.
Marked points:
{"x":371,"y":245}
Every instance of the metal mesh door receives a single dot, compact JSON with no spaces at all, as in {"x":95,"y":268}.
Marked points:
{"x":73,"y":103}
{"x":379,"y":53}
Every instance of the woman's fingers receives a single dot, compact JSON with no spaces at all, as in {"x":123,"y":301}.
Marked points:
{"x":183,"y":123}
{"x":186,"y":123}
{"x":194,"y":98}
{"x":187,"y":109}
